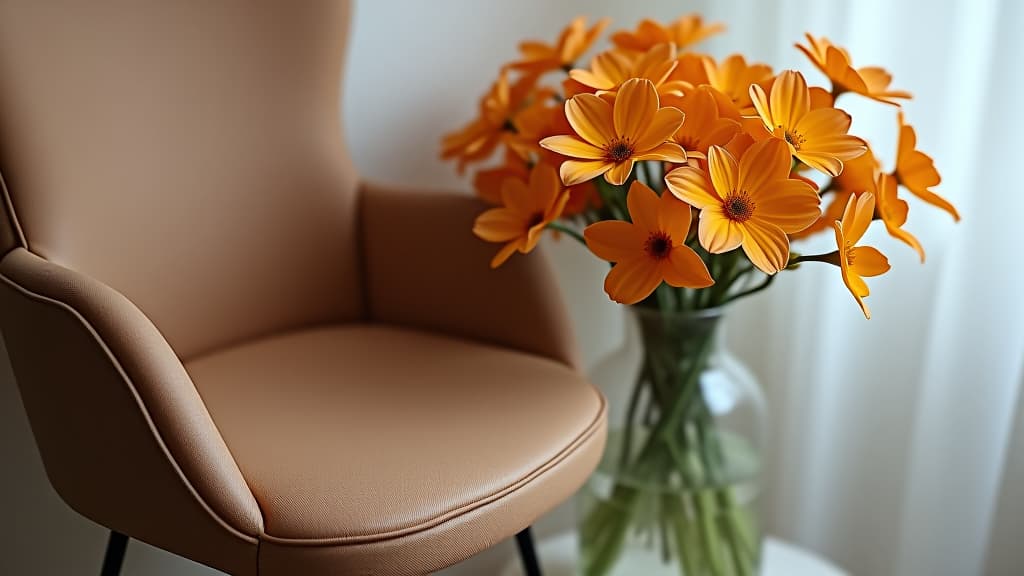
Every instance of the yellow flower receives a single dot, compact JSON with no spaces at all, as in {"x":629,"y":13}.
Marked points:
{"x":733,"y":77}
{"x":611,"y":137}
{"x":893,"y":213}
{"x":528,"y":209}
{"x":575,"y":40}
{"x":750,"y":203}
{"x":857,"y":262}
{"x":684,"y":32}
{"x":817,"y":137}
{"x":916,"y":171}
{"x":478,"y":139}
{"x":650,"y":249}
{"x":703,"y":127}
{"x":609,"y":70}
{"x":834,"y":62}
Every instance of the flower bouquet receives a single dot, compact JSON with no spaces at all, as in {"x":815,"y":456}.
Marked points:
{"x":692,"y":176}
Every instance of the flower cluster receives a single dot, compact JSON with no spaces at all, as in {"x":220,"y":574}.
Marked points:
{"x":690,"y":174}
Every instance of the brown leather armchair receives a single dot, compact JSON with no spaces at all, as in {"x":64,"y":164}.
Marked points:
{"x":231,"y":348}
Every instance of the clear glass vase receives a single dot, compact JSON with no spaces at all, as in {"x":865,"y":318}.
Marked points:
{"x":677,"y":489}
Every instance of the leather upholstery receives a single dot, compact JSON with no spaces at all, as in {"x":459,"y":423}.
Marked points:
{"x":161,"y":147}
{"x":355,"y":435}
{"x":180,"y":210}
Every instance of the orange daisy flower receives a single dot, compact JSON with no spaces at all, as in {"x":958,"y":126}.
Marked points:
{"x":528,"y":209}
{"x":573,"y":42}
{"x":817,"y":137}
{"x":857,"y":262}
{"x":685,"y":31}
{"x":612,"y":137}
{"x":916,"y":171}
{"x":834,"y":62}
{"x":650,"y":249}
{"x":733,"y":77}
{"x":893,"y":213}
{"x":750,"y":203}
{"x":703,"y":127}
{"x":478,"y":139}
{"x":608,"y":70}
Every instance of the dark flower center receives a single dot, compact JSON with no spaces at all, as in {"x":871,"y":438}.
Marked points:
{"x":794,"y":138}
{"x":739,"y":207}
{"x":658,"y":245}
{"x":618,"y":150}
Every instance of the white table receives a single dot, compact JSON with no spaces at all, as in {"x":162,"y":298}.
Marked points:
{"x":558,"y":558}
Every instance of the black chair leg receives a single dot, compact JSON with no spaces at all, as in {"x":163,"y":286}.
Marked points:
{"x":527,"y":552}
{"x":116,"y":547}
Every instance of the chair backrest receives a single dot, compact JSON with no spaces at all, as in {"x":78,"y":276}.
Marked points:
{"x":187,"y":153}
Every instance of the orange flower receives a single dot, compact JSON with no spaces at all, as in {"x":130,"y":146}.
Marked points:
{"x":685,"y":31}
{"x":893,"y":213}
{"x":611,"y":137}
{"x":857,"y":262}
{"x":609,"y":70}
{"x":750,"y":203}
{"x":650,"y":249}
{"x":527,"y":210}
{"x":916,"y":171}
{"x":478,"y":139}
{"x":817,"y":137}
{"x":733,"y":77}
{"x":703,"y":127}
{"x":834,"y":62}
{"x":575,"y":40}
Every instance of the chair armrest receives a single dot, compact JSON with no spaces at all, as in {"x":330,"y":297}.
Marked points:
{"x":125,"y":437}
{"x":424,"y":268}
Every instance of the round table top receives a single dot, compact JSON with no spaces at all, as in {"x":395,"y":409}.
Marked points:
{"x":558,"y":558}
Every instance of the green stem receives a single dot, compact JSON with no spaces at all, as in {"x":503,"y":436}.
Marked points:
{"x":753,"y":290}
{"x":567,"y":230}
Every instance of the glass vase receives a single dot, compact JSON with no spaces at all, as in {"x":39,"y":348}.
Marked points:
{"x":676,"y":491}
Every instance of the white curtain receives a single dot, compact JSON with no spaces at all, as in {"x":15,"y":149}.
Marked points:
{"x":891,"y":437}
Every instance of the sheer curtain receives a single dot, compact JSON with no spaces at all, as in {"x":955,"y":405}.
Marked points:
{"x":891,"y":438}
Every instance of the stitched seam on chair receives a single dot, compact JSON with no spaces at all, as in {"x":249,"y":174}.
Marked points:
{"x":11,"y":214}
{"x":138,"y":400}
{"x":558,"y":458}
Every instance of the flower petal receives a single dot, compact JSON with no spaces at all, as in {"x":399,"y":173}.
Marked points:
{"x":717,"y":232}
{"x":635,"y":107}
{"x":674,"y":217}
{"x":503,"y":254}
{"x":692,"y":186}
{"x":614,"y":240}
{"x":767,"y":161}
{"x":868,"y":262}
{"x":724,"y":170}
{"x":663,"y":125}
{"x":789,"y":204}
{"x":863,"y":213}
{"x":630,"y":281}
{"x":790,"y":99}
{"x":822,"y":162}
{"x":591,"y":118}
{"x":619,"y":172}
{"x":499,"y":225}
{"x":684,"y":269}
{"x":643,"y":204}
{"x":766,"y":245}
{"x":665,"y":152}
{"x":573,"y":147}
{"x":574,"y":172}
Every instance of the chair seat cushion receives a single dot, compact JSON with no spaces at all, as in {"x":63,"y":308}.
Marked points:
{"x":377,"y":450}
